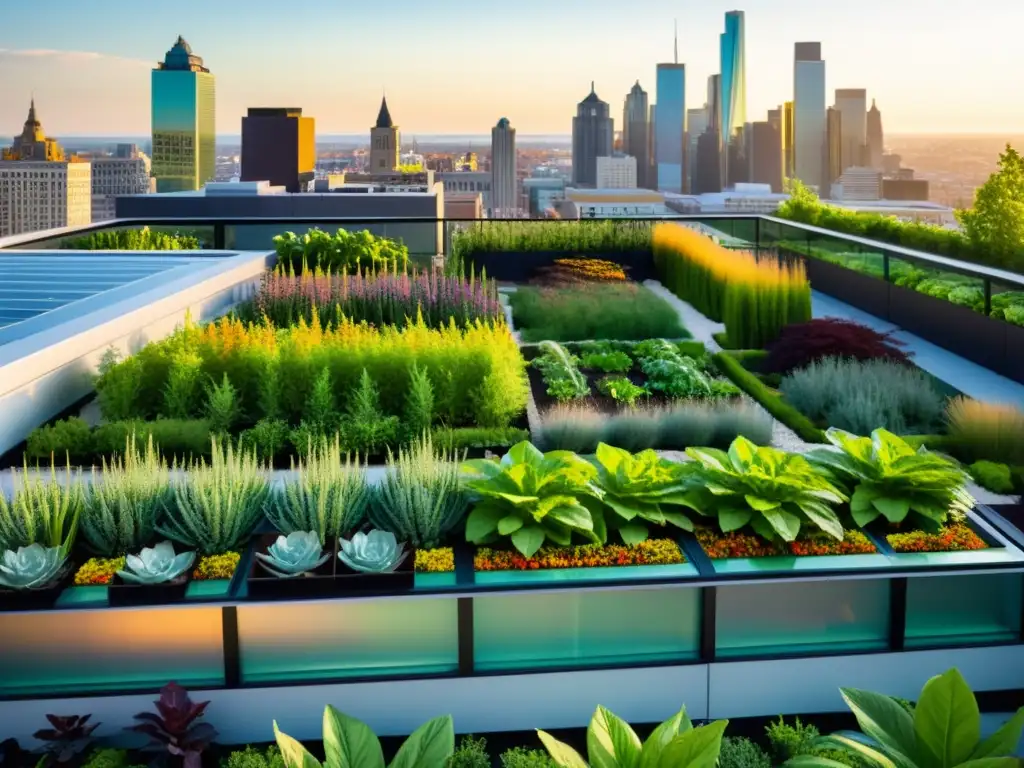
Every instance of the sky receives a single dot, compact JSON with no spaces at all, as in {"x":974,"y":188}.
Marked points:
{"x":457,"y":66}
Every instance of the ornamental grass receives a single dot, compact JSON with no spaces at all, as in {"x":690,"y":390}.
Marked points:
{"x":725,"y":546}
{"x":551,"y":237}
{"x":992,"y":431}
{"x":383,"y":298}
{"x":955,"y":537}
{"x":649,"y":552}
{"x":755,"y":296}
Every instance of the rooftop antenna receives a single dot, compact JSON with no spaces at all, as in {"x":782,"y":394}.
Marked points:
{"x":675,"y":40}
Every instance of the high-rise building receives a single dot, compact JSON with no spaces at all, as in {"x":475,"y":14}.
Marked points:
{"x":765,"y":154}
{"x":860,"y":184}
{"x":385,"y":141}
{"x":184,"y":121}
{"x":852,"y":104}
{"x":709,"y":149}
{"x":636,"y":132}
{"x":592,"y":130}
{"x":126,"y":172}
{"x":279,"y":146}
{"x":504,"y":187}
{"x":670,"y":132}
{"x":696,"y":125}
{"x":809,"y":126}
{"x":788,"y":134}
{"x":834,"y":151}
{"x":39,"y":188}
{"x":876,"y":138}
{"x":617,"y":172}
{"x":733,"y":84}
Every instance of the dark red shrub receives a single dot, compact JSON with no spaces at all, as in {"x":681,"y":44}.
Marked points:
{"x":801,"y":344}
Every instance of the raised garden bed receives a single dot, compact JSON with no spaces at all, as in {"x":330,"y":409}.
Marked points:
{"x":745,"y":552}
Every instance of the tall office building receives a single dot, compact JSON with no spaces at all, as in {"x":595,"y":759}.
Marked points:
{"x":764,"y":153}
{"x":592,"y":131}
{"x":834,"y":148}
{"x":809,"y":126}
{"x":184,"y":121}
{"x":876,"y":138}
{"x":279,"y":146}
{"x":709,"y":149}
{"x":636,"y":132}
{"x":617,"y":172}
{"x":670,"y":133}
{"x":852,"y":104}
{"x":504,"y":192}
{"x":39,"y":187}
{"x":788,"y":134}
{"x":733,"y":83}
{"x":126,"y":172}
{"x":696,"y":125}
{"x":385,"y":141}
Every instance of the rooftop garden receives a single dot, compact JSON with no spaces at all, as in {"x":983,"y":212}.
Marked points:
{"x":145,"y":239}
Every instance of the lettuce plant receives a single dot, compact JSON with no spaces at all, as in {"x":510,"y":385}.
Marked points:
{"x":943,"y":730}
{"x":890,"y":479}
{"x":559,"y":369}
{"x":611,"y":743}
{"x":350,"y":743}
{"x":532,"y":496}
{"x":773,"y":491}
{"x":642,"y":489}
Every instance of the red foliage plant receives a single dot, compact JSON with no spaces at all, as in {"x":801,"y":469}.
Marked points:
{"x":801,"y":344}
{"x":173,"y":725}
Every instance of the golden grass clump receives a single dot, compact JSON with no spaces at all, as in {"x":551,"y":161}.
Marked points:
{"x":991,"y":431}
{"x":755,"y":296}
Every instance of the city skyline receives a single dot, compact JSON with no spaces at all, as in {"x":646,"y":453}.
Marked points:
{"x":90,"y":79}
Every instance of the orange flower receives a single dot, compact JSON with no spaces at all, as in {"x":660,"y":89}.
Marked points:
{"x":650,"y":552}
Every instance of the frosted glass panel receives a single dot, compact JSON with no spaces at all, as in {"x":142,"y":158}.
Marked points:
{"x":586,"y":628}
{"x":108,"y":650}
{"x":313,"y":641}
{"x":951,"y":610}
{"x":802,"y":617}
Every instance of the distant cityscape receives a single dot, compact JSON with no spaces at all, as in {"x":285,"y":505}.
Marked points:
{"x":664,"y":157}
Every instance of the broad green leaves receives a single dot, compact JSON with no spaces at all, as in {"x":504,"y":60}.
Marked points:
{"x":774,"y":492}
{"x":891,"y":480}
{"x":531,"y":496}
{"x":943,"y":732}
{"x":612,"y":743}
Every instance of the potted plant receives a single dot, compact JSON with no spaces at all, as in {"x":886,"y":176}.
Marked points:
{"x":374,"y":561}
{"x":32,"y":577}
{"x":295,"y":565}
{"x":155,"y":575}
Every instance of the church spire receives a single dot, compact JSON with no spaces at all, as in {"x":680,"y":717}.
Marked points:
{"x":384,"y":116}
{"x":32,"y":119}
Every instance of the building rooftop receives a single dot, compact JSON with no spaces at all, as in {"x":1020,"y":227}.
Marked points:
{"x":181,"y":59}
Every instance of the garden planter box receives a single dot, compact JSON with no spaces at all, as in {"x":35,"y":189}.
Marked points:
{"x":37,"y":599}
{"x":1013,"y":361}
{"x":401,"y":579}
{"x":783,"y":563}
{"x":613,"y":573}
{"x":217,"y":589}
{"x":857,"y":289}
{"x":122,"y":593}
{"x":521,"y":267}
{"x":997,"y":551}
{"x":263,"y":585}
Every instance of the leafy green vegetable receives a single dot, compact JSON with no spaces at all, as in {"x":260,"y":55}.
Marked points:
{"x":533,"y":496}
{"x":642,"y":489}
{"x":670,"y":372}
{"x":609,"y":362}
{"x":559,"y":369}
{"x":772,"y":491}
{"x":621,"y":389}
{"x":890,"y":479}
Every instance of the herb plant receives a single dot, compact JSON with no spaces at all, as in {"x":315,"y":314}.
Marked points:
{"x":641,"y":490}
{"x":218,"y":504}
{"x":531,"y":497}
{"x":612,"y":742}
{"x":350,"y":743}
{"x":559,"y":369}
{"x":774,"y":492}
{"x":609,"y":362}
{"x":887,"y":478}
{"x":621,"y":389}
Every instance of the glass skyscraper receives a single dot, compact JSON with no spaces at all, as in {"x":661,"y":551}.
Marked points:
{"x":810,"y":129}
{"x":184,"y":121}
{"x":733,"y":83}
{"x":670,"y":129}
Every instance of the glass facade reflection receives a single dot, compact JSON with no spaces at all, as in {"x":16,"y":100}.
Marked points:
{"x":670,"y":129}
{"x":733,"y":82}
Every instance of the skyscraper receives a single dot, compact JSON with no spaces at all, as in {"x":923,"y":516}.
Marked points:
{"x":696,"y":125}
{"x":733,"y":84}
{"x":385,"y":141}
{"x":636,"y":132}
{"x":592,"y":131}
{"x":876,"y":138}
{"x":279,"y":146}
{"x":709,"y":150}
{"x":834,"y":148}
{"x":670,"y":132}
{"x":809,"y":127}
{"x":504,"y":196}
{"x":852,"y":104}
{"x":788,"y":142}
{"x":765,"y":154}
{"x":184,"y":121}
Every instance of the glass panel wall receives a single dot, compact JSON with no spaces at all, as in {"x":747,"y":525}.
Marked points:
{"x":957,"y":610}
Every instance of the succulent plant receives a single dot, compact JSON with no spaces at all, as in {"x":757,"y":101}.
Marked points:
{"x":373,"y":552}
{"x":158,"y":565}
{"x":31,"y":567}
{"x":293,"y":555}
